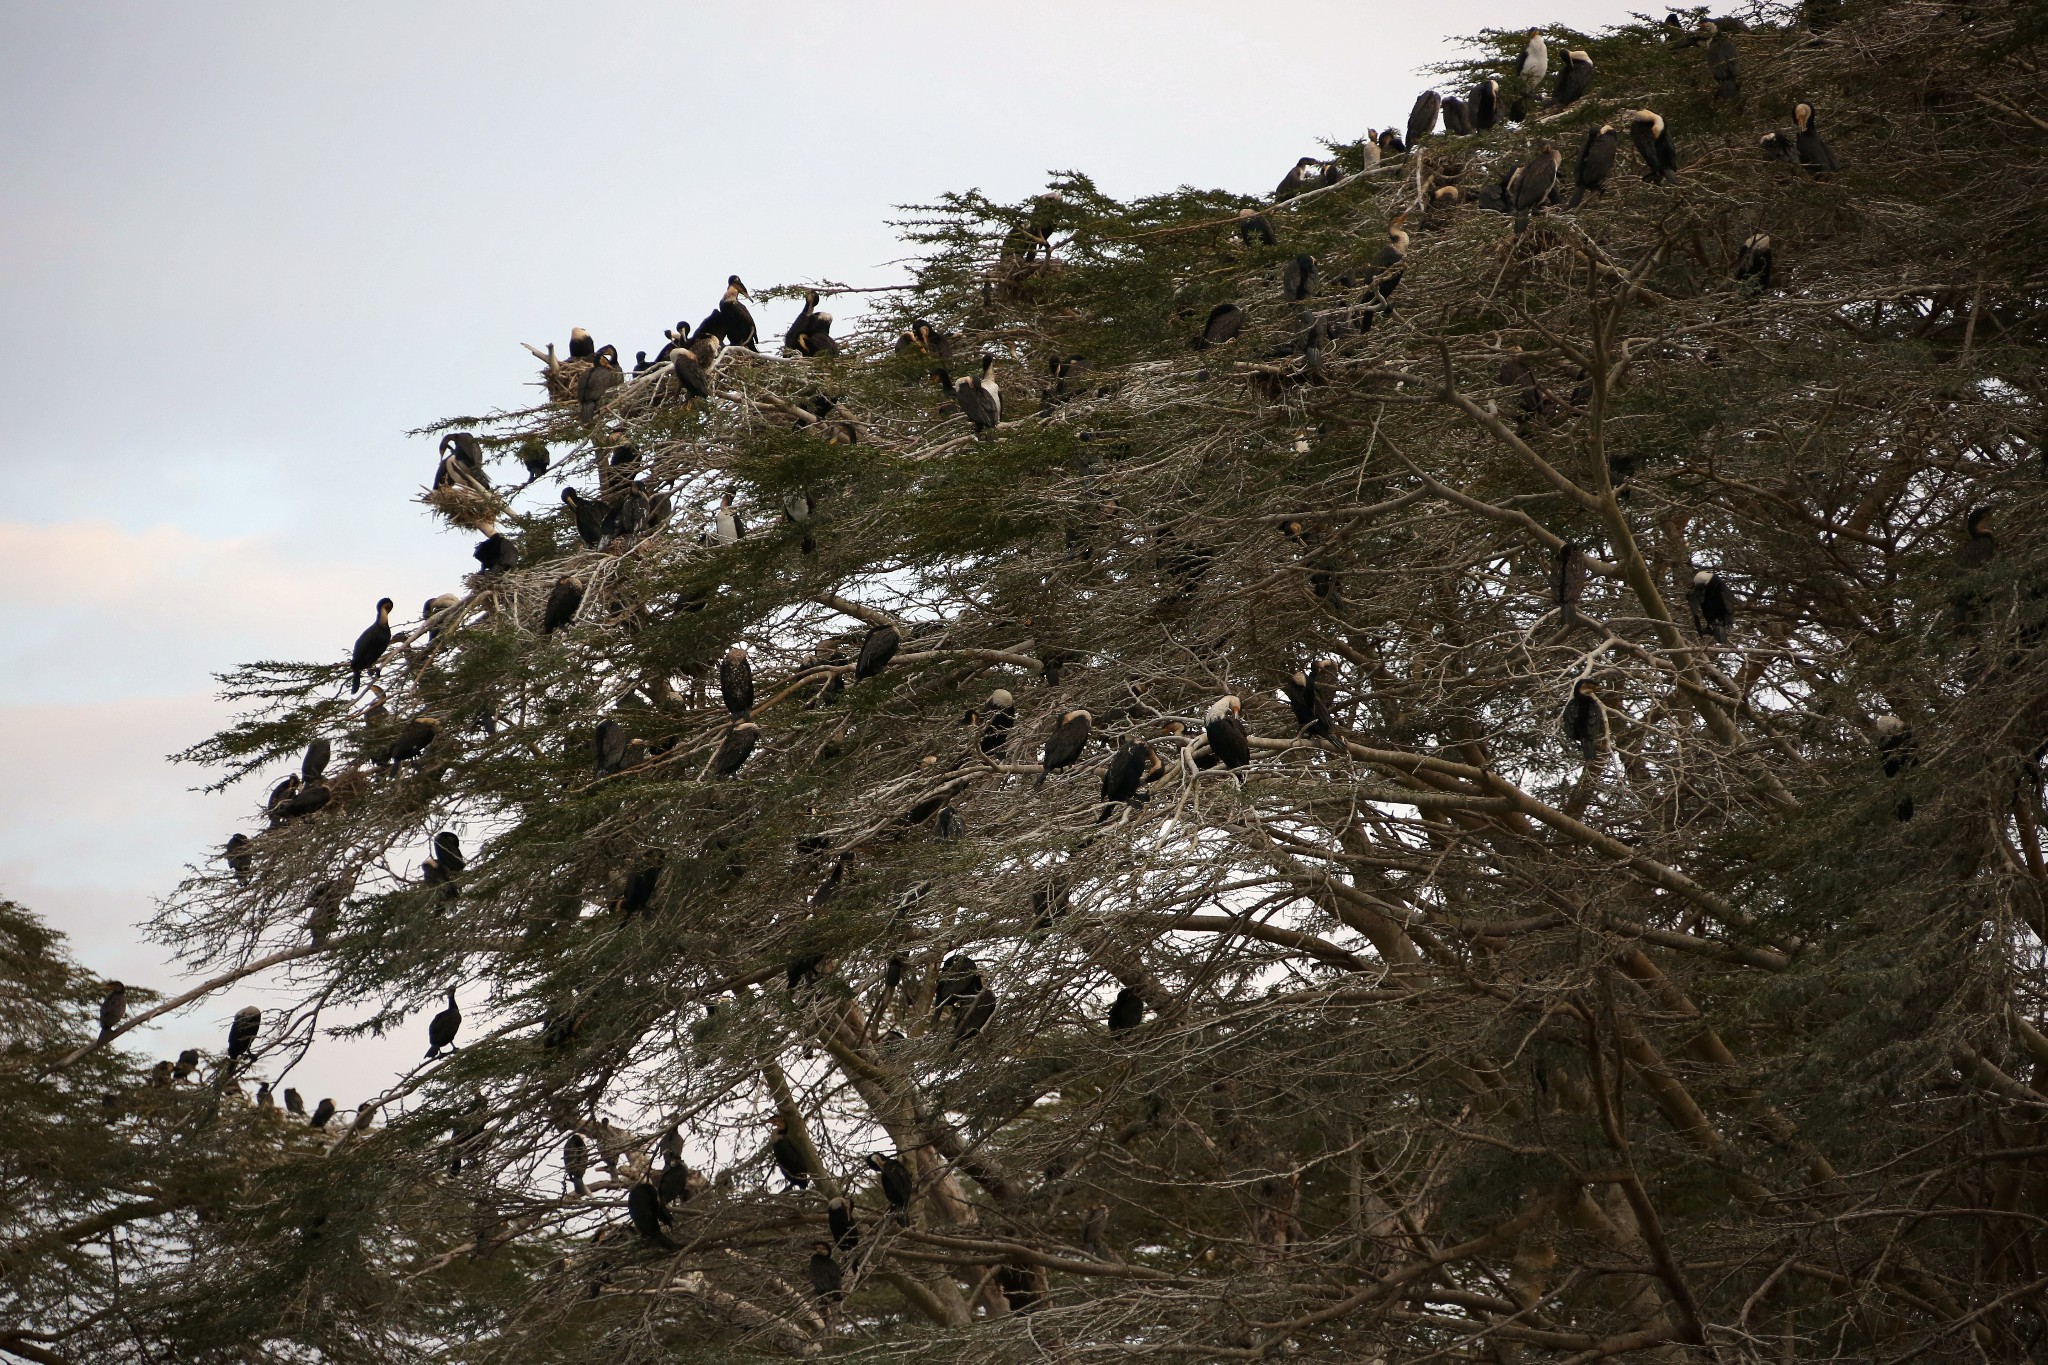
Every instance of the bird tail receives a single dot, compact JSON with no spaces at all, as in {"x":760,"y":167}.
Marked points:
{"x":1589,"y":749}
{"x":576,"y":1184}
{"x":1042,"y":775}
{"x":1521,"y":220}
{"x":1578,"y":196}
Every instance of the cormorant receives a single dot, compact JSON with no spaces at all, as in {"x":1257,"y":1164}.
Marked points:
{"x":735,"y":323}
{"x":1226,"y":320}
{"x":736,"y":682}
{"x":839,"y":1216}
{"x":789,"y":1156}
{"x":1391,"y":144}
{"x":1569,"y":580}
{"x":1713,"y":607}
{"x":811,"y":333}
{"x":1724,"y":62}
{"x":242,"y":1032}
{"x":323,"y":908}
{"x":1575,"y":80}
{"x":1780,"y":146}
{"x":413,"y":740}
{"x":611,"y":746}
{"x":113,"y":1004}
{"x":1309,"y":694}
{"x":1753,"y":266}
{"x":997,"y":716}
{"x":1095,"y":1230}
{"x":1895,"y":744}
{"x":589,"y":514}
{"x":575,"y":1161}
{"x":1127,"y":1011}
{"x":441,"y":1029}
{"x":727,"y":528}
{"x":1298,"y":279}
{"x":322,"y":1112}
{"x":188,"y":1062}
{"x":1585,"y":720}
{"x":1816,"y":158}
{"x":495,"y":553}
{"x":1128,"y":769}
{"x":1485,"y":104}
{"x":1422,"y":117}
{"x":643,"y":1207}
{"x":1653,"y":143}
{"x":447,"y":863}
{"x":370,"y":645}
{"x":294,"y":1103}
{"x":310,"y":797}
{"x":972,"y":1018}
{"x":533,"y":453}
{"x":1063,"y":745}
{"x":959,"y":980}
{"x":597,"y":383}
{"x":562,"y":605}
{"x":1457,"y":116}
{"x":691,"y":366}
{"x":925,"y":337}
{"x":1296,"y":178}
{"x":366,"y":1114}
{"x":735,"y":748}
{"x":1253,"y":226}
{"x":897,"y":1186}
{"x":826,"y":1277}
{"x":240,"y":860}
{"x":433,"y":607}
{"x":978,"y":396}
{"x":1596,"y":163}
{"x":876,"y":650}
{"x":1534,"y":63}
{"x":1981,"y":546}
{"x":281,"y":796}
{"x":674,"y":1184}
{"x":1389,"y":263}
{"x":1224,"y":725}
{"x":1530,"y":190}
{"x":581,"y":347}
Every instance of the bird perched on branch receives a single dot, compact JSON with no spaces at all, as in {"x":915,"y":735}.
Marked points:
{"x":1595,"y":164}
{"x":598,"y":383}
{"x":446,"y":864}
{"x":1753,"y":266}
{"x":735,"y":748}
{"x":1298,"y":278}
{"x":442,"y":1028}
{"x":1063,"y":745}
{"x":736,"y":682}
{"x":897,"y":1185}
{"x":997,"y":717}
{"x":789,"y":1155}
{"x":1254,"y":227}
{"x":1133,"y":765}
{"x":1653,"y":143}
{"x":1127,"y":1011}
{"x":1531,"y":186}
{"x":1224,"y":728}
{"x":1713,"y":607}
{"x":1895,"y":745}
{"x":1296,"y":180}
{"x":562,"y":605}
{"x":876,"y":650}
{"x":113,"y":1005}
{"x":1485,"y":105}
{"x":1422,"y":117}
{"x":1585,"y":720}
{"x":1225,"y":321}
{"x":576,"y":1161}
{"x":1574,"y":80}
{"x":370,"y":645}
{"x":978,"y":396}
{"x":242,"y":1031}
{"x":649,"y":1218}
{"x":1530,"y":69}
{"x":589,"y":515}
{"x":496,"y":553}
{"x":735,"y":323}
{"x":1457,"y":116}
{"x":1724,"y":62}
{"x":1310,"y":694}
{"x":1816,"y":158}
{"x":811,"y":333}
{"x":581,"y":347}
{"x":827,"y":1279}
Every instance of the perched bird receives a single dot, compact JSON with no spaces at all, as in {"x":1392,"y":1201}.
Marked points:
{"x":1298,"y":279}
{"x":562,"y":605}
{"x":897,"y":1185}
{"x":674,"y":1184}
{"x":598,"y":383}
{"x":789,"y":1155}
{"x":1390,"y":144}
{"x":1063,"y":745}
{"x":448,"y":861}
{"x":1816,"y":158}
{"x":1653,"y":143}
{"x":1296,"y":179}
{"x":1980,"y":546}
{"x":1485,"y":105}
{"x":1585,"y":719}
{"x":366,"y":1114}
{"x":736,"y":682}
{"x":1255,"y":227}
{"x":1574,"y":80}
{"x":433,"y":608}
{"x":811,"y":333}
{"x":1226,"y":320}
{"x":798,"y":507}
{"x":876,"y":650}
{"x":643,"y":1208}
{"x":322,"y":1112}
{"x":575,"y":1161}
{"x":735,"y":748}
{"x":294,"y":1103}
{"x":113,"y":1005}
{"x":441,"y":1029}
{"x":1534,"y":63}
{"x":370,"y":645}
{"x":581,"y":347}
{"x":997,"y":717}
{"x":1310,"y":693}
{"x":1754,"y":265}
{"x":239,"y":859}
{"x":1095,"y":1232}
{"x":1530,"y":189}
{"x":281,"y":796}
{"x":839,"y":1216}
{"x":1781,"y":145}
{"x":495,"y":553}
{"x":826,"y":1277}
{"x":462,"y":462}
{"x":1127,"y":1011}
{"x":242,"y":1032}
{"x":589,"y":515}
{"x":412,"y":741}
{"x":691,"y":366}
{"x":1596,"y":163}
{"x":959,"y":982}
{"x":324,"y":907}
{"x":1713,"y":607}
{"x":978,"y":396}
{"x":1128,"y":771}
{"x":1895,"y":745}
{"x":973,"y":1017}
{"x":188,"y":1062}
{"x":1224,"y":726}
{"x":310,"y":797}
{"x":727,"y":528}
{"x":1569,"y":580}
{"x":735,"y":323}
{"x":925,"y":337}
{"x":533,"y":453}
{"x":1457,"y":117}
{"x":1422,"y":117}
{"x":1383,"y":273}
{"x":1724,"y":62}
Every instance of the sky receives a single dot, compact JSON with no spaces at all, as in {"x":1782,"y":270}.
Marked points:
{"x":251,"y":246}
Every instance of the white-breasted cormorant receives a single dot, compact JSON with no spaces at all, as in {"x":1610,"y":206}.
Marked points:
{"x":1485,"y":105}
{"x":1653,"y":144}
{"x":370,"y":645}
{"x":997,"y":717}
{"x":442,"y":1028}
{"x":581,"y":347}
{"x":598,"y":383}
{"x":1574,"y":80}
{"x":1816,"y":158}
{"x":1713,"y":606}
{"x":789,"y":1155}
{"x":839,"y":1217}
{"x":1295,"y":180}
{"x":242,"y":1031}
{"x":1063,"y":745}
{"x":897,"y":1185}
{"x":1228,"y":739}
{"x":1596,"y":163}
{"x":1310,"y":693}
{"x":1534,"y":63}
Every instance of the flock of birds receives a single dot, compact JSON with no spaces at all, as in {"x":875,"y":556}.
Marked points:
{"x":687,"y":360}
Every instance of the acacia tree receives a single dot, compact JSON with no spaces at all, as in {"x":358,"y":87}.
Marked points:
{"x":1709,"y":1029}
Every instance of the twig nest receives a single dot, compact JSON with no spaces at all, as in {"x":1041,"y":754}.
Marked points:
{"x":565,"y":379}
{"x":470,"y":508}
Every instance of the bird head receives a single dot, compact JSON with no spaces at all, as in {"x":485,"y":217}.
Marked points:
{"x":1001,"y":698}
{"x":733,"y":285}
{"x":1890,"y":726}
{"x":1584,"y":687}
{"x":1650,"y":117}
{"x":1979,"y":521}
{"x":578,"y":334}
{"x":1225,"y":706}
{"x":384,"y":606}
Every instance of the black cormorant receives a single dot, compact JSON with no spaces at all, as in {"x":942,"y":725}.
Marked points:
{"x":1296,"y":178}
{"x":611,"y":746}
{"x":1298,"y":279}
{"x":1815,"y":156}
{"x":447,"y":862}
{"x":876,"y":650}
{"x":1980,"y":546}
{"x":1255,"y":227}
{"x":1226,"y":320}
{"x":1753,"y":267}
{"x":735,"y":748}
{"x":412,"y":741}
{"x":736,"y":682}
{"x":1422,"y":117}
{"x":598,"y":382}
{"x":188,"y":1062}
{"x":811,"y":333}
{"x":442,"y":1028}
{"x":533,"y":453}
{"x":1653,"y":143}
{"x":113,"y":1004}
{"x":496,"y":553}
{"x":1724,"y":62}
{"x":370,"y":645}
{"x":1127,"y":1011}
{"x":581,"y":347}
{"x":897,"y":1186}
{"x":789,"y":1156}
{"x":1530,"y":190}
{"x":997,"y":717}
{"x":979,"y":396}
{"x":972,"y":1017}
{"x":1713,"y":607}
{"x":562,"y":605}
{"x":1390,"y":144}
{"x":1574,"y":80}
{"x":959,"y":981}
{"x":1895,"y":745}
{"x":575,"y":1161}
{"x":322,"y":1112}
{"x":242,"y":1032}
{"x":240,"y":860}
{"x":1063,"y":745}
{"x":643,"y":1207}
{"x":1485,"y":105}
{"x":1585,"y":720}
{"x":826,"y":1277}
{"x":1457,"y":116}
{"x":294,"y":1103}
{"x":735,"y":323}
{"x":589,"y":514}
{"x":1128,"y":770}
{"x":1596,"y":163}
{"x":1224,"y":726}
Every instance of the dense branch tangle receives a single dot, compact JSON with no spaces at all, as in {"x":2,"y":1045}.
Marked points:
{"x":1455,"y":1046}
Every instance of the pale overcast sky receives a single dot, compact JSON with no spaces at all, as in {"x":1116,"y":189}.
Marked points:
{"x":249,"y":246}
